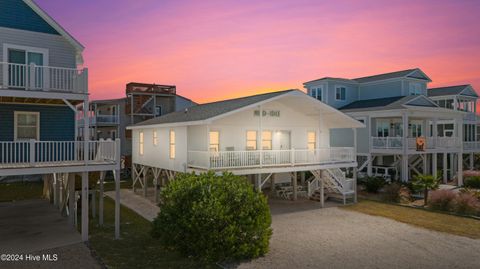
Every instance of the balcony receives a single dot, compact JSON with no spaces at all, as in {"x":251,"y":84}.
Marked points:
{"x":41,"y":154}
{"x":396,"y":143}
{"x":221,"y":160}
{"x":43,"y":78}
{"x":101,"y":120}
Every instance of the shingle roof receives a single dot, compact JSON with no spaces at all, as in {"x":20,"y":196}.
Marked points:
{"x":209,"y":110}
{"x":387,"y":103}
{"x":331,"y":78}
{"x":451,"y":90}
{"x":396,"y":74}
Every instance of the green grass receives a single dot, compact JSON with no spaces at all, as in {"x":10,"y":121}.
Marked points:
{"x":20,"y":191}
{"x":136,"y":248}
{"x":419,"y":217}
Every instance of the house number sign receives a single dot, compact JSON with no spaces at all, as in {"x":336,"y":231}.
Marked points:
{"x":271,"y":113}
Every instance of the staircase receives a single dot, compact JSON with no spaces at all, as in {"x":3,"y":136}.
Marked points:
{"x":335,"y":185}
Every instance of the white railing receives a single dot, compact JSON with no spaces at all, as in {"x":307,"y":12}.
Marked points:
{"x":105,"y":119}
{"x":470,"y":116}
{"x":469,"y":145}
{"x":397,"y":142}
{"x":37,"y":153}
{"x":268,"y":158}
{"x":312,"y":186}
{"x":46,"y":78}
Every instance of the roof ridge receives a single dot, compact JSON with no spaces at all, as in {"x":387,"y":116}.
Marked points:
{"x":388,"y":73}
{"x":451,"y":86}
{"x":244,"y":97}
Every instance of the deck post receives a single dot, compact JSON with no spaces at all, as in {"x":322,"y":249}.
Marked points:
{"x":272,"y":183}
{"x":452,"y":165}
{"x":100,"y":198}
{"x":445,"y":168}
{"x":471,"y":161}
{"x":155,"y":183}
{"x":355,"y":184}
{"x":71,"y":198}
{"x":369,"y":165}
{"x":405,"y":168}
{"x":294,"y":185}
{"x":84,"y":206}
{"x":424,"y":164}
{"x":86,"y":129}
{"x":434,"y":165}
{"x":322,"y":189}
{"x":302,"y":178}
{"x":460,"y":169}
{"x":116,"y":175}
{"x":144,"y":179}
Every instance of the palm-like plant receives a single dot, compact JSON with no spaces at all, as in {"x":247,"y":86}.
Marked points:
{"x":425,"y":183}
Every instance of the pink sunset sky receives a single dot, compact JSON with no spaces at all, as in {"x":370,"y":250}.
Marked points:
{"x":213,"y":50}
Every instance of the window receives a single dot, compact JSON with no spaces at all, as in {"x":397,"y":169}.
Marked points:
{"x":267,"y":140}
{"x":155,"y":138}
{"x":415,"y":129}
{"x":383,"y":128}
{"x":172,"y":144}
{"x":251,"y":140}
{"x":415,"y":88}
{"x":311,"y":140}
{"x":340,"y":93}
{"x":316,"y":93}
{"x":140,"y":143}
{"x":20,"y":76}
{"x":27,"y":125}
{"x":158,"y":111}
{"x":214,"y":141}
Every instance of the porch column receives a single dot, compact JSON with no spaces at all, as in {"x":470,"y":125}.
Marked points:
{"x":302,"y":178}
{"x":434,"y":165}
{"x":424,"y":160}
{"x":294,"y":185}
{"x":56,"y":189}
{"x":445,"y":167}
{"x":84,"y":206}
{"x":369,"y":164}
{"x":144,"y":178}
{"x":471,"y":161}
{"x":116,"y":176}
{"x":405,"y":168}
{"x":460,"y":154}
{"x":86,"y":128}
{"x":272,"y":183}
{"x":100,"y":198}
{"x":355,"y":184}
{"x":452,"y":165}
{"x":71,"y":198}
{"x":322,"y":189}
{"x":435,"y":131}
{"x":258,"y":182}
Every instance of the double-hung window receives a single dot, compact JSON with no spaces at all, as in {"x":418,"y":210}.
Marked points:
{"x":251,"y":140}
{"x":27,"y":125}
{"x":267,"y":140}
{"x":172,"y":144}
{"x":340,"y":93}
{"x":311,"y":140}
{"x":415,"y":88}
{"x":214,"y":141}
{"x":316,"y":93}
{"x":140,"y":144}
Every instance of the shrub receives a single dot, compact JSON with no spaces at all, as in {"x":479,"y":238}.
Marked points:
{"x":442,"y":200}
{"x":425,"y":183}
{"x":466,"y":203}
{"x":373,"y":184}
{"x":392,"y":192}
{"x":472,"y":182}
{"x":213,"y":218}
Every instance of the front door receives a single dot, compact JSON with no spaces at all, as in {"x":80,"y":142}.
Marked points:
{"x":281,"y":140}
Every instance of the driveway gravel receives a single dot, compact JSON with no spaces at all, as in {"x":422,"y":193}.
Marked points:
{"x":305,"y":236}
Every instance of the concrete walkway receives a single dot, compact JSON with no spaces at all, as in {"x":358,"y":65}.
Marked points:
{"x":142,"y":206}
{"x":36,"y":227}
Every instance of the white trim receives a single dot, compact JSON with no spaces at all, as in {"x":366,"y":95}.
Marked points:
{"x":419,"y":70}
{"x":424,"y":97}
{"x":43,"y":51}
{"x":79,"y":47}
{"x":15,"y":123}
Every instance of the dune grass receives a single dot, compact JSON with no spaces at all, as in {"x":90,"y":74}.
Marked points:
{"x":440,"y":222}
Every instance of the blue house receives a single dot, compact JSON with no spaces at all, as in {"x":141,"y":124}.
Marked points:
{"x":400,"y":112}
{"x":40,"y":85}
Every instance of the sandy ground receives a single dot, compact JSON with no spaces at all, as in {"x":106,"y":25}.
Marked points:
{"x":305,"y":236}
{"x":135,"y":201}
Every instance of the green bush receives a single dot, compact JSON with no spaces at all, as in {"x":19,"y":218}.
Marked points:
{"x":373,"y":184}
{"x":472,"y":182}
{"x":213,"y":218}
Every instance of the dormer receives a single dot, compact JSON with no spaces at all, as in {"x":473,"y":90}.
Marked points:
{"x":336,"y":92}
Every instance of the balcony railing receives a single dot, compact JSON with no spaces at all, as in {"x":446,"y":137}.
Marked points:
{"x":430,"y":142}
{"x":268,"y":158}
{"x":26,"y":154}
{"x":101,"y":119}
{"x":44,"y":78}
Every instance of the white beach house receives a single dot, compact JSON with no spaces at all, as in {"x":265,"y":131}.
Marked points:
{"x":262,"y":136}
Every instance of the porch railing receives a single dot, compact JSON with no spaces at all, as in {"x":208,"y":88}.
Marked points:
{"x":397,"y":142}
{"x":105,"y":119}
{"x":268,"y":158}
{"x":46,"y":78}
{"x":40,"y":153}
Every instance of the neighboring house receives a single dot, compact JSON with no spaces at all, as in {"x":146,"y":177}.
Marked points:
{"x":263,"y":136}
{"x":109,"y":118}
{"x":40,"y":85}
{"x":397,"y":108}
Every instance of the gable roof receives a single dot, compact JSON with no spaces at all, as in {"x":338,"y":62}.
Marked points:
{"x":55,"y":25}
{"x":452,"y":90}
{"x":396,"y":74}
{"x":411,"y":73}
{"x":388,"y":103}
{"x":210,"y":110}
